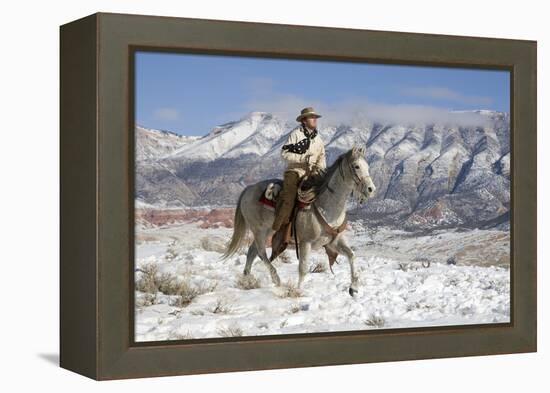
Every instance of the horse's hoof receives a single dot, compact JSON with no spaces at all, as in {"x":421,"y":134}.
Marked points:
{"x":352,"y":291}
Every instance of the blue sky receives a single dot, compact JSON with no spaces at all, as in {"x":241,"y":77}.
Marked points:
{"x":189,"y":94}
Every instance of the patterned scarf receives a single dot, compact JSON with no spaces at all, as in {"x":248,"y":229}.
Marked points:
{"x":302,"y":146}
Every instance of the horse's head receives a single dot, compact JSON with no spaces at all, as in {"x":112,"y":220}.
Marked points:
{"x":359,"y":170}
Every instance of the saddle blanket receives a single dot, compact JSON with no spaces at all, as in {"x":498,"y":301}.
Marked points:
{"x":269,"y":196}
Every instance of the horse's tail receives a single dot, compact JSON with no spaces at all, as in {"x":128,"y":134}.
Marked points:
{"x":239,"y":231}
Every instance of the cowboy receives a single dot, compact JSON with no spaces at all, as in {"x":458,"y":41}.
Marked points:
{"x":304,"y":153}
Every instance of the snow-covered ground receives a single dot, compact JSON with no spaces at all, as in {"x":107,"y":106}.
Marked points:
{"x":405,"y":281}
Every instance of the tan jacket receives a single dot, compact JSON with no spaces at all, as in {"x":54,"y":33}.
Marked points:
{"x":313,"y":157}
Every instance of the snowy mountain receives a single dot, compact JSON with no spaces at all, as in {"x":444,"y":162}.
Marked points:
{"x":157,"y":182}
{"x":427,"y":175}
{"x":152,"y":144}
{"x":254,"y":135}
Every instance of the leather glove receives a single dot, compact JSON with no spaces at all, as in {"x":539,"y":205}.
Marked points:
{"x":316,"y":170}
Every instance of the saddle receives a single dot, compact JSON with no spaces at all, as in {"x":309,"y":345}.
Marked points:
{"x":286,"y":235}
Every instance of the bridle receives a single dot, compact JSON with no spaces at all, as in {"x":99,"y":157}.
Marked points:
{"x":360,"y":184}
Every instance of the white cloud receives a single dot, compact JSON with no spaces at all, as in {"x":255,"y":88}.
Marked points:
{"x":445,"y":94}
{"x":166,"y":114}
{"x":359,"y":110}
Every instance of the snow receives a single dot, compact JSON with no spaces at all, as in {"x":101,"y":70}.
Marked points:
{"x":450,"y":174}
{"x":225,"y":138}
{"x":153,"y":144}
{"x":404,"y":279}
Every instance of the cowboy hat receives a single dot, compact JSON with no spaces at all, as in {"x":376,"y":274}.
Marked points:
{"x":307,"y":112}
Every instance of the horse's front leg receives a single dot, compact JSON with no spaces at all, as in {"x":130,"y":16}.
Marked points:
{"x":303,"y":265}
{"x":342,"y":247}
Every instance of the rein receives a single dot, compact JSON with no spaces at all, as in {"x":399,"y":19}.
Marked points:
{"x":332,"y":231}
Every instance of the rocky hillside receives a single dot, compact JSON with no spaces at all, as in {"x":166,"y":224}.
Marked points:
{"x":427,"y":175}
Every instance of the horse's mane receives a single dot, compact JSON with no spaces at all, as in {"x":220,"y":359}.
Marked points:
{"x":320,"y":183}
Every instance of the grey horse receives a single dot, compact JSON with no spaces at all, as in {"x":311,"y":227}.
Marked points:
{"x":348,"y":175}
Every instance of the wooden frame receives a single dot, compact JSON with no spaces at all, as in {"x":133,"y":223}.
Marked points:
{"x":97,"y":196}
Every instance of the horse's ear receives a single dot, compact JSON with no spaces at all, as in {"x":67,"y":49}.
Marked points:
{"x":358,"y":151}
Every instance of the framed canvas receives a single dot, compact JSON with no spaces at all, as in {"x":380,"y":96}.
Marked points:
{"x":244,"y":196}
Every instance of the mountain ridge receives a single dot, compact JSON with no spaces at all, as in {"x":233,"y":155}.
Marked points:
{"x":427,"y":174}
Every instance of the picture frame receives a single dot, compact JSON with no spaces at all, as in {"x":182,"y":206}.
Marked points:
{"x":97,"y":200}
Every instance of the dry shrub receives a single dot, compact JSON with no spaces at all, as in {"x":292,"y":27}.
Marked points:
{"x":318,"y":268}
{"x":403,"y":266}
{"x":262,"y":325}
{"x":213,"y":243}
{"x":284,"y":257}
{"x":295,"y":308}
{"x":230,"y":331}
{"x":186,"y":292}
{"x":179,"y":336}
{"x":290,"y":290}
{"x":151,"y":282}
{"x":425,"y":261}
{"x":148,"y":299}
{"x":247,"y":282}
{"x":221,"y":306}
{"x":375,"y":321}
{"x":171,"y":252}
